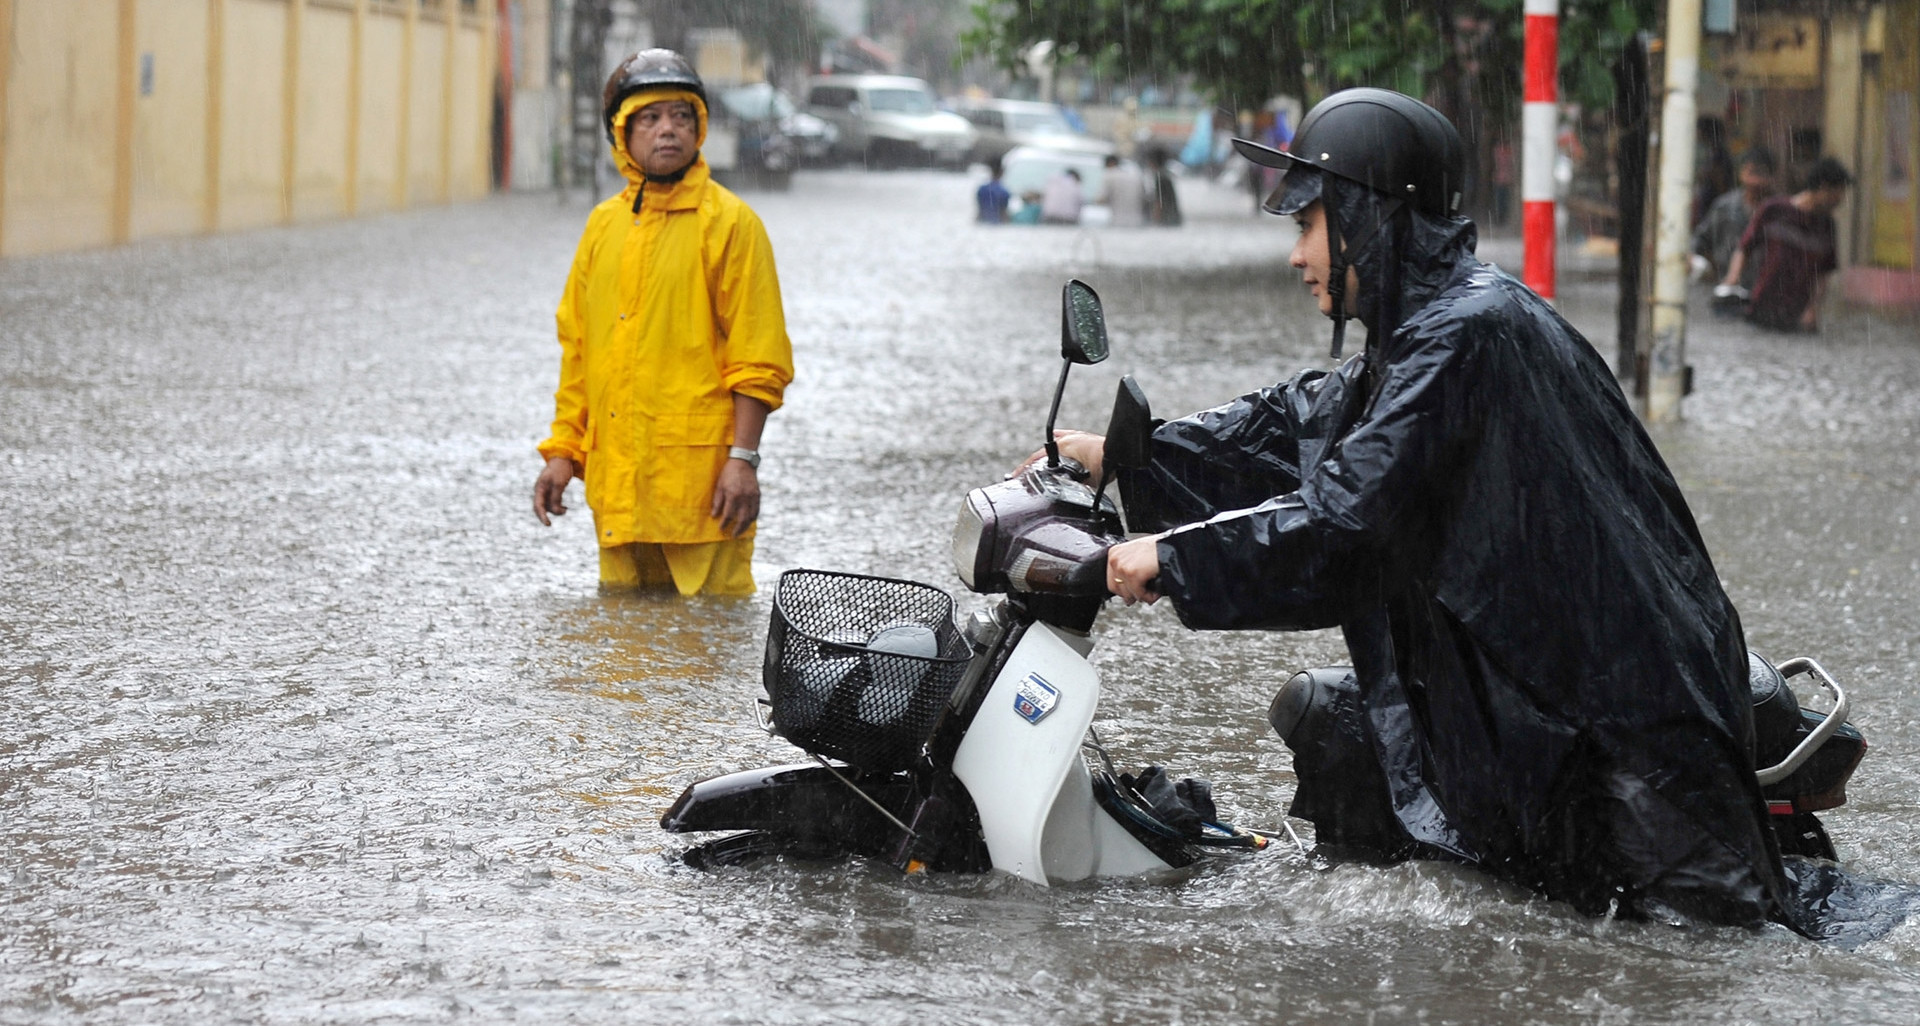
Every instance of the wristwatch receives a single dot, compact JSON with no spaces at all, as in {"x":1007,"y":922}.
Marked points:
{"x":750,"y":457}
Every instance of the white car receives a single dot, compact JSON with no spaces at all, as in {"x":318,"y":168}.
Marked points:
{"x":888,"y":120}
{"x":1005,"y":124}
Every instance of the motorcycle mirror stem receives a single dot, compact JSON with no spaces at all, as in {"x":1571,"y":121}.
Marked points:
{"x":1083,"y":339}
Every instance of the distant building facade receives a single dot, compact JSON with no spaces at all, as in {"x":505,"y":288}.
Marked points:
{"x":1813,"y":78}
{"x":131,"y":119}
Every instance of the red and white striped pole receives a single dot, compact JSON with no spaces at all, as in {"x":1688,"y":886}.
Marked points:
{"x":1539,"y":131}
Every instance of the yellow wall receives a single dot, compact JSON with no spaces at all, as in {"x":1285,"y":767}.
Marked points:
{"x":170,"y":122}
{"x":1892,"y":205}
{"x":252,"y":105}
{"x":322,"y":114}
{"x":380,"y":107}
{"x":424,"y":113}
{"x":470,"y":114}
{"x":61,"y":112}
{"x":253,"y":116}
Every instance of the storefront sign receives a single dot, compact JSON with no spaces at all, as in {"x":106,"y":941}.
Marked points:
{"x":1776,"y":51}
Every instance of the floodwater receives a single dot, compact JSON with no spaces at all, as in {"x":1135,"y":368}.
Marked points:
{"x":306,"y":719}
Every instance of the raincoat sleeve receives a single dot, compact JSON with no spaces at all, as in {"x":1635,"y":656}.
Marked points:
{"x":1305,"y":560}
{"x":1229,"y":457}
{"x":567,"y":436}
{"x":757,"y":357}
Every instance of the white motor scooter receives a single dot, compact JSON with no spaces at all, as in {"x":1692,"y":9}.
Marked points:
{"x":949,"y":748}
{"x":970,"y":748}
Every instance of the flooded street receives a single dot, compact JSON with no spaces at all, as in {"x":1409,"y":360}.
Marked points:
{"x":308,"y":720}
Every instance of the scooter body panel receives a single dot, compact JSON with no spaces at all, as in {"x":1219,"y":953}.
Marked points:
{"x":1022,"y":766}
{"x":1082,"y":839}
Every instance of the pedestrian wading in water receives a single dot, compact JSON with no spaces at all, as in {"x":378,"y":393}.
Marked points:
{"x":673,"y":351}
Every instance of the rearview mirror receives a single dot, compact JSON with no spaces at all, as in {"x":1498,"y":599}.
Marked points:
{"x":1083,"y":325}
{"x":1083,"y":339}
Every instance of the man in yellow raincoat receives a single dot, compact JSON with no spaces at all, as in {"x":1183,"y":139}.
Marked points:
{"x":673,"y":350}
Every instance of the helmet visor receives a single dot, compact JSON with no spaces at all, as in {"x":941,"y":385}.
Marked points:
{"x":1298,"y":188}
{"x":1297,"y":191}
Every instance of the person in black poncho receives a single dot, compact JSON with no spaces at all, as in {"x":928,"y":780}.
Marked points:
{"x":1550,"y":682}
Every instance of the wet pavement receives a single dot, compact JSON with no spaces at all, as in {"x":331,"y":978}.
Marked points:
{"x":306,"y":719}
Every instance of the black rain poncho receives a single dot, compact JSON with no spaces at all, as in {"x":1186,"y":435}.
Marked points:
{"x":1552,"y":682}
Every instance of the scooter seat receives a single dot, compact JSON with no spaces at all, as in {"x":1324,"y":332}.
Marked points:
{"x":1776,"y":713}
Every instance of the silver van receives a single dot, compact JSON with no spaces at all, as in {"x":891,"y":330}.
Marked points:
{"x":888,"y":120}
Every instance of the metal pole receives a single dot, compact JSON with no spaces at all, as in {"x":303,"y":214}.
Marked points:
{"x":1667,"y":380}
{"x":1539,"y":127}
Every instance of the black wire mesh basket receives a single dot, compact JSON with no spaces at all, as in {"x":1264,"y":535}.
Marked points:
{"x":859,"y":668}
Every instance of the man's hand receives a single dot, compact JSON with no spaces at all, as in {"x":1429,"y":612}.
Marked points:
{"x":1086,"y":448}
{"x":1132,"y":566}
{"x":736,"y":497}
{"x":551,"y":486}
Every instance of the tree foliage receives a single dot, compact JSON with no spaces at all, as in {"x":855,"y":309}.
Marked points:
{"x":1237,"y":50}
{"x":1464,"y":54}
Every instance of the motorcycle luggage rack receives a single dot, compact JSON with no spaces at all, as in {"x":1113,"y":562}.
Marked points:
{"x":1817,"y":736}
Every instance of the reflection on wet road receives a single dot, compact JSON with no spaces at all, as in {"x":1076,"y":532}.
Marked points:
{"x":307,"y":720}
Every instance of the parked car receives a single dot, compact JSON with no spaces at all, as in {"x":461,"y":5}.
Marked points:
{"x":746,"y":146}
{"x":888,"y":120}
{"x":812,"y":137}
{"x":1004,"y":124}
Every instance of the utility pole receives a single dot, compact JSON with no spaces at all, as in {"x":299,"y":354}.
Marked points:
{"x":1539,"y":140}
{"x":586,"y":55}
{"x":1668,"y":373}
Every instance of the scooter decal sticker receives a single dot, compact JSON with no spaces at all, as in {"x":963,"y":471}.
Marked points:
{"x":1036,"y":698}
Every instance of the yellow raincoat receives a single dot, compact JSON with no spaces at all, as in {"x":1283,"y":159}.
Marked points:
{"x":667,"y":313}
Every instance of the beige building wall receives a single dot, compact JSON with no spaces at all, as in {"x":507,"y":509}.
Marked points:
{"x":424,"y":112}
{"x":323,"y":115}
{"x":469,"y":115}
{"x":252,"y":105}
{"x":169,"y":174}
{"x":383,"y":67}
{"x":130,"y":119}
{"x":62,"y":107}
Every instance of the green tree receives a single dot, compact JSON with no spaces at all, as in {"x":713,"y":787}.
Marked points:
{"x":1464,"y":54}
{"x":1240,"y":52}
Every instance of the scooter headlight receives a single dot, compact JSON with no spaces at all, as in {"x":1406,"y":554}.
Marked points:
{"x":970,"y":531}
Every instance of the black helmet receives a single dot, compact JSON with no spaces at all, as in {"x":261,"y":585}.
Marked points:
{"x":1386,"y":141}
{"x":1405,"y":152}
{"x":658,"y":68}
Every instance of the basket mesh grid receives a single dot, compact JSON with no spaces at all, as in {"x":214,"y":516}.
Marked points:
{"x":835,"y":696}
